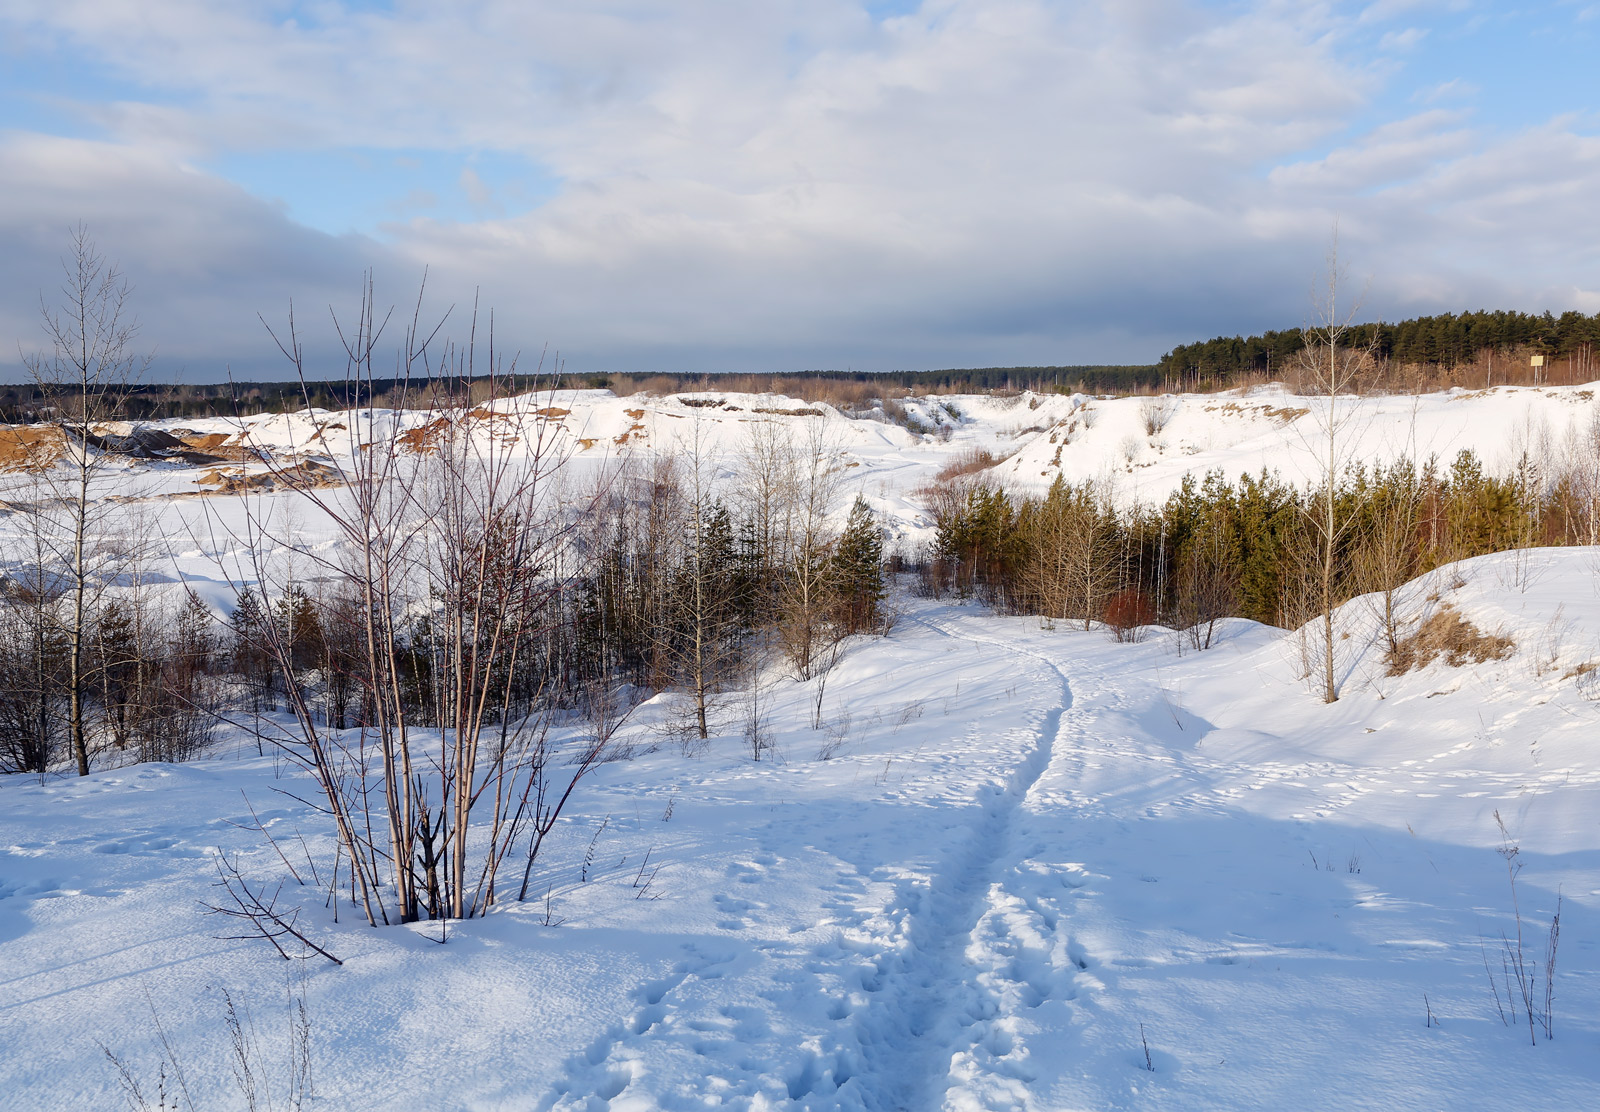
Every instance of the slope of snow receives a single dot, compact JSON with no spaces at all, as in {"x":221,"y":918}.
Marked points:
{"x":203,"y":514}
{"x":1035,"y":853}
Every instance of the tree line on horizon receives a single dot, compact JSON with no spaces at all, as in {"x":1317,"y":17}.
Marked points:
{"x":1467,"y":343}
{"x":1445,"y":340}
{"x":26,"y":403}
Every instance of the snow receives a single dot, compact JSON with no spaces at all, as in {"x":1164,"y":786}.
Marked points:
{"x":1035,"y":437}
{"x":1034,"y":852}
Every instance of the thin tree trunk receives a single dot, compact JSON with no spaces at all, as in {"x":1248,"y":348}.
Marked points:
{"x":80,"y":583}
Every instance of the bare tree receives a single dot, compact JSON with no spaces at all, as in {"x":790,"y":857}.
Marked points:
{"x":84,"y":377}
{"x":768,"y":465}
{"x":452,"y":550}
{"x":810,"y":573}
{"x":1073,"y":562}
{"x":1206,"y":590}
{"x":1581,"y":464}
{"x":1331,"y":365}
{"x":1387,"y":558}
{"x":766,"y":498}
{"x":700,"y":634}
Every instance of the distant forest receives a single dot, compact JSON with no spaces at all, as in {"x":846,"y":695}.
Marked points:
{"x":1475,"y":349}
{"x":1442,"y":341}
{"x":150,"y":400}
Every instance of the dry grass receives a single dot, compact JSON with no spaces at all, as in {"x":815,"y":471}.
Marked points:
{"x":969,"y":462}
{"x":1446,"y":633}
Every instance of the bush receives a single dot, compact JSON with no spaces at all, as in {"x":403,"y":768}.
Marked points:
{"x":1127,"y":611}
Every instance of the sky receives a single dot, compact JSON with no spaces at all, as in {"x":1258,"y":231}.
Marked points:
{"x":778,"y":185}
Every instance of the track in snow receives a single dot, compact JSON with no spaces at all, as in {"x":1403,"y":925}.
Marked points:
{"x":923,"y":982}
{"x":928,"y":1009}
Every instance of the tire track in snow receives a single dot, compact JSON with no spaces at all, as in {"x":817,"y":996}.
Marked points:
{"x":924,"y":1011}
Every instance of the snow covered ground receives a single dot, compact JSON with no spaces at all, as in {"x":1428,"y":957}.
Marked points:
{"x":198,"y":509}
{"x":1035,"y":856}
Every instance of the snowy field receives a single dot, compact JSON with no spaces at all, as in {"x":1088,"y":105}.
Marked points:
{"x":1014,"y":868}
{"x":1032,"y":857}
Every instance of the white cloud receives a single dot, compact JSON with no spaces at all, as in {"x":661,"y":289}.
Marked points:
{"x":792,"y":184}
{"x":479,"y":195}
{"x":204,"y":257}
{"x":1455,"y":89}
{"x":1403,"y":40}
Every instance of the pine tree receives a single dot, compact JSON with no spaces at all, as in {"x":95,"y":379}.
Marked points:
{"x":252,"y":658}
{"x":300,"y":628}
{"x":858,"y":570}
{"x":703,"y":640}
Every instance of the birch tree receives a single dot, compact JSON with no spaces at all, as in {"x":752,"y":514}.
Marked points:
{"x":84,"y":378}
{"x":1331,"y":365}
{"x":809,"y":582}
{"x":451,"y":552}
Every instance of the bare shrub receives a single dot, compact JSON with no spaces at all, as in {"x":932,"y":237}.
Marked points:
{"x":259,"y":914}
{"x":453,"y":553}
{"x":267,"y":1080}
{"x":908,"y":713}
{"x":1523,"y":976}
{"x":1206,"y":588}
{"x":836,"y":735}
{"x":757,"y":717}
{"x":1446,"y":633}
{"x":1548,"y":650}
{"x":1127,"y":613}
{"x":1155,"y":413}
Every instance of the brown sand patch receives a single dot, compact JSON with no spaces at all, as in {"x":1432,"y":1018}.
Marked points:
{"x":31,"y":447}
{"x":235,"y":480}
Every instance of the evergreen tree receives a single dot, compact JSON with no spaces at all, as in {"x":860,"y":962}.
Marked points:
{"x":252,"y":658}
{"x":858,"y":570}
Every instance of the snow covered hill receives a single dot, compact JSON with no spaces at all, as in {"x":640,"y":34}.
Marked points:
{"x":1038,"y":869}
{"x":1141,"y":448}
